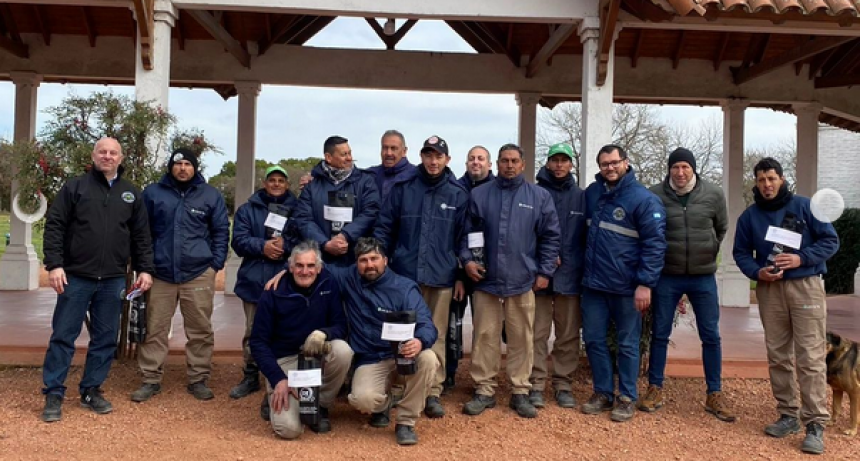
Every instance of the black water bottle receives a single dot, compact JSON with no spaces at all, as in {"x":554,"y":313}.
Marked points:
{"x":476,"y":243}
{"x":309,"y":397}
{"x":791,"y":223}
{"x":405,"y":366}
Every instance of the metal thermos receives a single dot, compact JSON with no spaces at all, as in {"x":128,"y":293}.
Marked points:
{"x":309,"y":397}
{"x":405,"y":366}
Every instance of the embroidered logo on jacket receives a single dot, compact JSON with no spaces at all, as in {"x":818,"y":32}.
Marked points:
{"x":127,"y":197}
{"x":445,"y":206}
{"x":618,"y":214}
{"x":523,"y":205}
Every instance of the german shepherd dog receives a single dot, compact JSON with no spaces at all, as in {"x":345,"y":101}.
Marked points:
{"x":843,"y":375}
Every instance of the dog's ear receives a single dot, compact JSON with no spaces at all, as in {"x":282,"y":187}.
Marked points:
{"x":830,"y":337}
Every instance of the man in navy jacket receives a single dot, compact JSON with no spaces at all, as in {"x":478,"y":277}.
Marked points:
{"x":791,"y":299}
{"x":558,"y":305}
{"x":190,"y":234}
{"x":395,"y":167}
{"x":624,"y":255}
{"x":521,"y":239}
{"x":339,"y":206}
{"x":422,"y":226}
{"x":264,"y":233}
{"x":301,"y":314}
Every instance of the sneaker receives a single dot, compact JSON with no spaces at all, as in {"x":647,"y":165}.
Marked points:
{"x":433,"y":408}
{"x":405,"y":435}
{"x":265,"y":411}
{"x":784,"y":426}
{"x":536,"y":398}
{"x":478,"y":404}
{"x":624,"y":409}
{"x":200,"y":391}
{"x":53,"y":408}
{"x":92,"y":399}
{"x":146,"y":391}
{"x":565,"y":399}
{"x":324,"y":424}
{"x":814,"y":441}
{"x":598,"y":403}
{"x":653,"y":399}
{"x":520,"y":403}
{"x":248,"y":385}
{"x":716,"y":405}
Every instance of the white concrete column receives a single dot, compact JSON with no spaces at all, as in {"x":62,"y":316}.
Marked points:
{"x":154,"y":85}
{"x":733,"y":284}
{"x":596,"y":101}
{"x":245,"y":160}
{"x":807,"y":147}
{"x":528,"y":131}
{"x":20,"y":264}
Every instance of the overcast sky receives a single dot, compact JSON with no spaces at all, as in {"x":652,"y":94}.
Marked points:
{"x":294,"y":121}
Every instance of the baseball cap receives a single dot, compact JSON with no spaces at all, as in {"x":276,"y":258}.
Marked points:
{"x":435,"y":143}
{"x":277,"y":169}
{"x":560,"y":148}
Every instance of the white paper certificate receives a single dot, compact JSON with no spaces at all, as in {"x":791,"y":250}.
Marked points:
{"x":275,"y":221}
{"x":786,"y":237}
{"x":398,"y":331}
{"x":476,"y":240}
{"x":304,"y":378}
{"x":337,"y":213}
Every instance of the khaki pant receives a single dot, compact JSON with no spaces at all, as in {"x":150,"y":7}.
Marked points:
{"x":250,"y":366}
{"x":562,"y":312}
{"x":794,"y":316}
{"x":518,"y":314}
{"x":286,"y":423}
{"x":439,"y":302}
{"x":195,"y":303}
{"x":371,"y":383}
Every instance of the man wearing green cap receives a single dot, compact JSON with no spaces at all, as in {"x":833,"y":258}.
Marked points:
{"x":558,"y":304}
{"x":263,"y":232}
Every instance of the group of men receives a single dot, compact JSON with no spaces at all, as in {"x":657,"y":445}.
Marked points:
{"x":362,"y":244}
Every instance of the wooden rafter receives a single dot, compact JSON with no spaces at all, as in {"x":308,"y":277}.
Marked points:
{"x":637,"y":48}
{"x":219,"y":33}
{"x":509,"y":40}
{"x":483,"y":40}
{"x":843,"y":61}
{"x":796,"y":54}
{"x":144,"y":12}
{"x":17,"y":48}
{"x":391,"y":40}
{"x":11,"y":25}
{"x":281,"y":27}
{"x":721,"y":50}
{"x":608,"y":22}
{"x":763,"y":49}
{"x":753,"y":47}
{"x":819,"y":61}
{"x":679,"y":49}
{"x":837,"y":81}
{"x":89,"y":26}
{"x":466,"y":34}
{"x":42,"y":22}
{"x":180,"y":32}
{"x":555,"y":40}
{"x":294,"y":30}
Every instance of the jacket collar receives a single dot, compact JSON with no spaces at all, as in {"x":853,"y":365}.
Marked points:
{"x":626,"y":180}
{"x":285,"y":288}
{"x":544,"y":177}
{"x":514,"y":183}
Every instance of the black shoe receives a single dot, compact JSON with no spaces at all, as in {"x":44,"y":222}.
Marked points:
{"x":520,"y":403}
{"x":92,"y":399}
{"x":598,"y":403}
{"x":324,"y":424}
{"x":565,"y":399}
{"x":380,"y":419}
{"x":53,"y":408}
{"x":248,"y":385}
{"x":784,"y":426}
{"x":264,"y":409}
{"x":405,"y":435}
{"x":624,"y":410}
{"x":814,"y":441}
{"x":478,"y":404}
{"x":200,"y":391}
{"x":536,"y":399}
{"x":146,"y":391}
{"x":433,"y":408}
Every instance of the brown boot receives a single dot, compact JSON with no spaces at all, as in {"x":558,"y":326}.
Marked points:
{"x":652,"y":400}
{"x":717,"y":405}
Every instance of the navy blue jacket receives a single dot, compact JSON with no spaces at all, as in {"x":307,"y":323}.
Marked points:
{"x":312,"y":223}
{"x":249,"y":238}
{"x":190,"y":230}
{"x":422,"y":227}
{"x":285,"y":318}
{"x":569,"y":202}
{"x":521,"y":234}
{"x":386,"y":178}
{"x":819,"y":242}
{"x":366,"y":304}
{"x":467,"y":182}
{"x":626,"y":236}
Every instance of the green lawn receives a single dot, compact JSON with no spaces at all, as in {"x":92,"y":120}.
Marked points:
{"x":4,"y":229}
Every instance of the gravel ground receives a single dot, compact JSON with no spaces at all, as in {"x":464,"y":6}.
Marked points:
{"x":175,"y":426}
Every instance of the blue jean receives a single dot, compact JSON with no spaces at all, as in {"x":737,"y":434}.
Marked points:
{"x":598,"y":308}
{"x":701,"y":290}
{"x":103,"y":300}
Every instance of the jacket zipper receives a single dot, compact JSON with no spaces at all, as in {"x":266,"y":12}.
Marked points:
{"x":105,"y":227}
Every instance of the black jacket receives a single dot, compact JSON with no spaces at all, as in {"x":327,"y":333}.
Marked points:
{"x":93,"y":228}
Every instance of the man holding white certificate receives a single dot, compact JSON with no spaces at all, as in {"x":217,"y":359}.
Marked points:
{"x":782,"y":245}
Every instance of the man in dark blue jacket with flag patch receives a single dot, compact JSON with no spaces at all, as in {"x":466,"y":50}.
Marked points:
{"x":624,"y":256}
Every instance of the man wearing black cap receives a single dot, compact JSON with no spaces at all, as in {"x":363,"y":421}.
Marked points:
{"x":190,"y":234}
{"x":696,"y":223}
{"x":422,"y":225}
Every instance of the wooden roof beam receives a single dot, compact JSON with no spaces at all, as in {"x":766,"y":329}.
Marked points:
{"x":282,"y":26}
{"x":89,"y":26}
{"x":837,"y":81}
{"x":844,"y":60}
{"x":799,"y":53}
{"x":42,"y":21}
{"x":144,"y":12}
{"x":819,"y":61}
{"x":608,"y":23}
{"x":637,"y":48}
{"x":17,"y":48}
{"x":211,"y":24}
{"x":390,"y":40}
{"x":721,"y":50}
{"x":556,"y":39}
{"x":470,"y":37}
{"x":676,"y":59}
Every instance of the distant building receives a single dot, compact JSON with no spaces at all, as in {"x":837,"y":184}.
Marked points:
{"x":835,"y":171}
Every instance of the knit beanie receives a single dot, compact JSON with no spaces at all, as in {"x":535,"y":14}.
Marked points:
{"x":682,"y":155}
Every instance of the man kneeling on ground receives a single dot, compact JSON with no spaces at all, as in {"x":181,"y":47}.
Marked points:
{"x":301,"y":314}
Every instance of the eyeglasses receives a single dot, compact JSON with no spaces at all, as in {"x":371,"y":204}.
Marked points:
{"x":608,"y":165}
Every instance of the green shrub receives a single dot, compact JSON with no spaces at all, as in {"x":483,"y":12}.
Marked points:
{"x":841,"y":267}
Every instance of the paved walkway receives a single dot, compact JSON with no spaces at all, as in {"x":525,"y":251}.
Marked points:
{"x":25,"y":327}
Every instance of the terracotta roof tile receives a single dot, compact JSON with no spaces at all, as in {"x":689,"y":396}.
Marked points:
{"x":807,"y":7}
